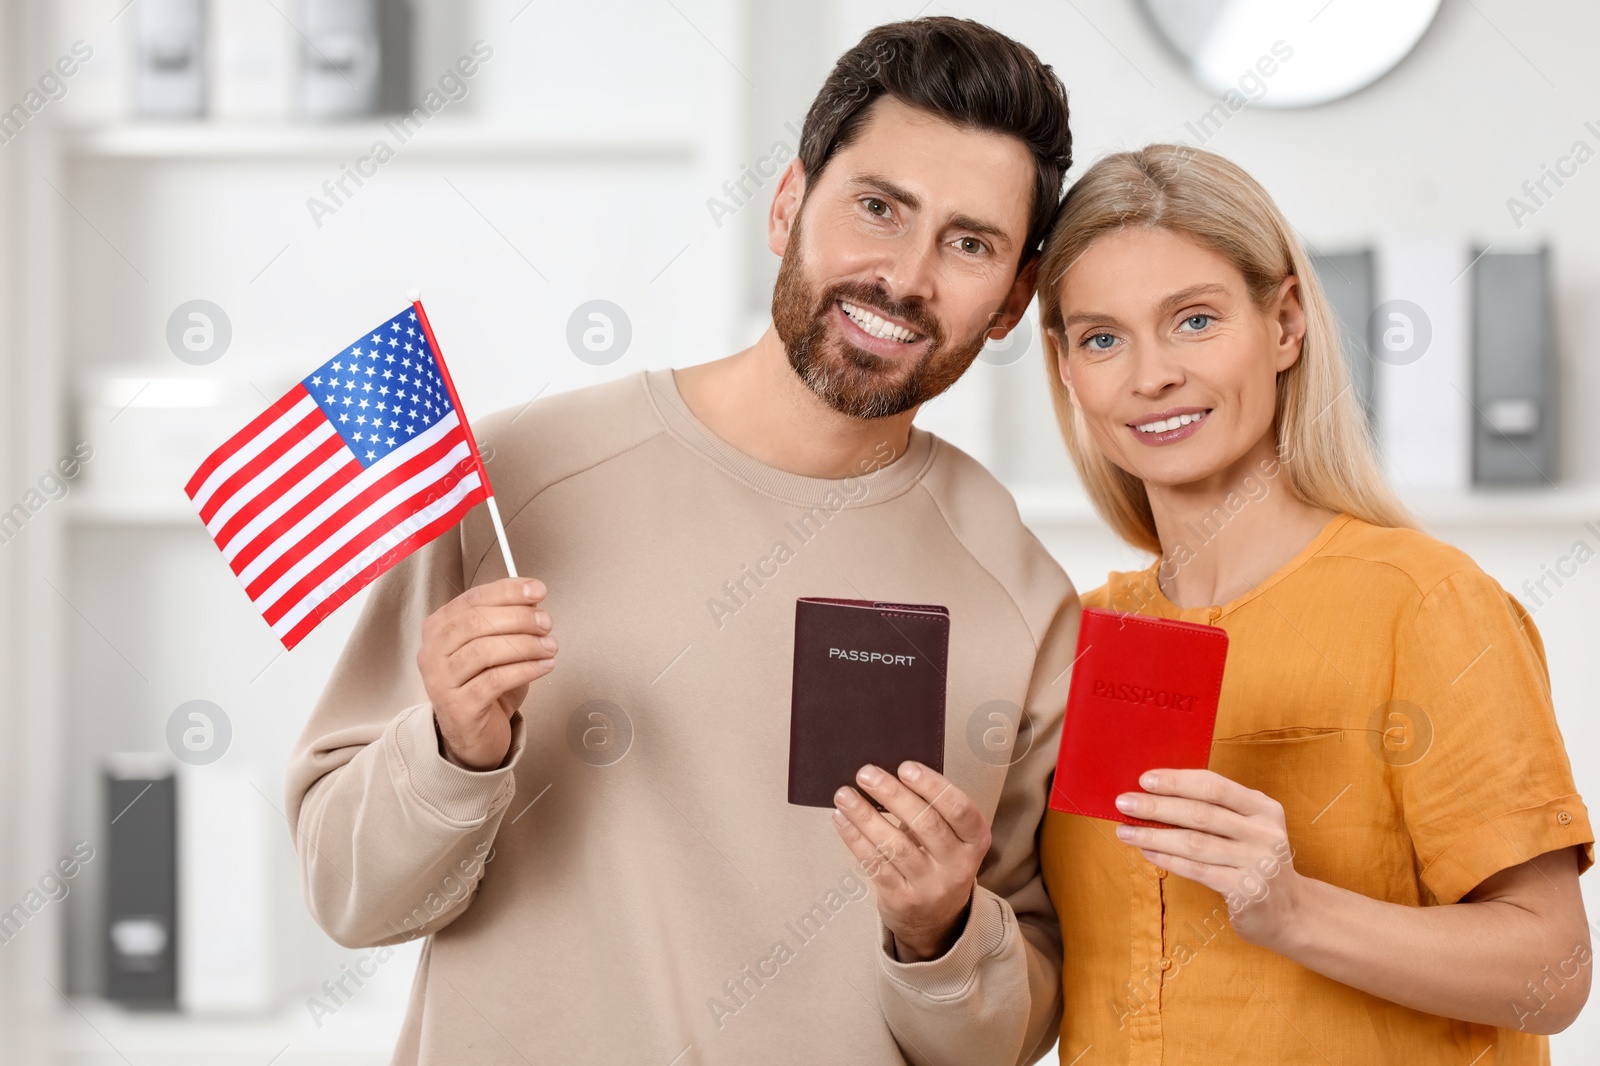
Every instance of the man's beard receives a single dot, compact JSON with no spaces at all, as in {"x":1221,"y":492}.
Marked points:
{"x":851,"y":380}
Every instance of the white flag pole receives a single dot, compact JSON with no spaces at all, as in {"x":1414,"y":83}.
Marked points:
{"x":500,"y":532}
{"x":415,"y":296}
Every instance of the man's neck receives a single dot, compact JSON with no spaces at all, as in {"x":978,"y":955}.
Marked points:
{"x":754,"y":400}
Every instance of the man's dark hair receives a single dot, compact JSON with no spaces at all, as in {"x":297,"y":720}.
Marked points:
{"x":963,"y":72}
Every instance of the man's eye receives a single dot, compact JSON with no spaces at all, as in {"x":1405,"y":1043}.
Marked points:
{"x":972,"y":245}
{"x":877,"y":207}
{"x":1197,"y":322}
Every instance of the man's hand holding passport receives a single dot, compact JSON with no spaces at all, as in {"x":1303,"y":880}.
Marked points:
{"x":867,"y":712}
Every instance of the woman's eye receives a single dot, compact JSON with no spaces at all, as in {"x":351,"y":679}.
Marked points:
{"x":877,"y":207}
{"x":1099,"y":342}
{"x":1197,"y":322}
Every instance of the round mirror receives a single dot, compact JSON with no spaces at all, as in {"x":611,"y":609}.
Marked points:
{"x":1290,"y":53}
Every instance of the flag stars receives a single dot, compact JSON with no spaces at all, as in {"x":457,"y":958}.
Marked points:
{"x":391,"y":404}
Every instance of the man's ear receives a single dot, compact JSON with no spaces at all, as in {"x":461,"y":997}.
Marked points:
{"x":785,"y":207}
{"x":1017,"y":300}
{"x":1291,"y":318}
{"x":1058,"y":350}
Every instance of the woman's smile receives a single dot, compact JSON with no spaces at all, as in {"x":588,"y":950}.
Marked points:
{"x":1170,"y":426}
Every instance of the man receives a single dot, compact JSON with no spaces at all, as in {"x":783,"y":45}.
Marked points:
{"x":596,"y":840}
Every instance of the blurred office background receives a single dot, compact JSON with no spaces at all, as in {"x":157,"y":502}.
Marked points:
{"x":195,"y":211}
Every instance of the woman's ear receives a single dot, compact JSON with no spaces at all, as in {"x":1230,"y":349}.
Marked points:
{"x":1291,"y":319}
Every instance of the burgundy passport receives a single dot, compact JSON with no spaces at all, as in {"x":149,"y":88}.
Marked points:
{"x":1143,"y":696}
{"x":869,"y":685}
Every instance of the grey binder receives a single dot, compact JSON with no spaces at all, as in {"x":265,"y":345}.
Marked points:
{"x":1349,"y":280}
{"x":141,"y":881}
{"x":340,"y":65}
{"x":1515,"y":437}
{"x":169,"y":67}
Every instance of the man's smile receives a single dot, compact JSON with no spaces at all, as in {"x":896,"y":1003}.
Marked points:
{"x":878,"y":325}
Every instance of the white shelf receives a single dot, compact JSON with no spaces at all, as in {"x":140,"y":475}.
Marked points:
{"x":1039,"y":505}
{"x":1043,"y":505}
{"x":95,"y":1031}
{"x":103,"y":509}
{"x":439,"y":138}
{"x":1568,"y":505}
{"x":1565,"y":506}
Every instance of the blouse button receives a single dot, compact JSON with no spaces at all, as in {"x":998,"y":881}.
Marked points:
{"x":1214,"y":614}
{"x":1166,"y":963}
{"x":1161,"y":872}
{"x":1564,"y":817}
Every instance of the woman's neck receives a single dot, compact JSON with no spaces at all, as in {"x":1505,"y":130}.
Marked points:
{"x":1223,"y":536}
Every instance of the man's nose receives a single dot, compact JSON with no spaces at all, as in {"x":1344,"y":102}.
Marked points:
{"x":908,"y":266}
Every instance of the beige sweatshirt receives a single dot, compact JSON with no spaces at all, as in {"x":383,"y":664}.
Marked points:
{"x":632,"y":885}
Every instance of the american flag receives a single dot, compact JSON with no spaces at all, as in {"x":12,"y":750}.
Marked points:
{"x":365,"y":460}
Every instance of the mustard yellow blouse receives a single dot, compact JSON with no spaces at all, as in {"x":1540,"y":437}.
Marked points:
{"x":1395,"y":699}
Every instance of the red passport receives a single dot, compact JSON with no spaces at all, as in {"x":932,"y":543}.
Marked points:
{"x":1143,"y":696}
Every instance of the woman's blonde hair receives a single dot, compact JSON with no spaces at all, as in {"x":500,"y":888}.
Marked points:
{"x":1321,"y":432}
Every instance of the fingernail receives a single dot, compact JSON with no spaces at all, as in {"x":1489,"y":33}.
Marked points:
{"x":869,"y":775}
{"x":1126,"y":802}
{"x":1124,"y":832}
{"x":549,"y":643}
{"x":541,"y":619}
{"x":910,"y":771}
{"x":1149,"y":781}
{"x":531,"y":590}
{"x":845,"y":797}
{"x":839,"y":818}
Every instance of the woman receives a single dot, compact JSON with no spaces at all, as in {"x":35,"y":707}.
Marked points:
{"x":1381,"y":863}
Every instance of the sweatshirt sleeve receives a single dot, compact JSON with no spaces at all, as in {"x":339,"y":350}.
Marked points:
{"x":995,"y":996}
{"x":392,"y":837}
